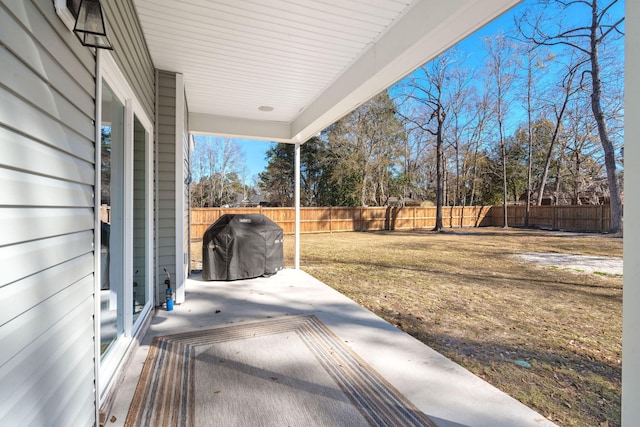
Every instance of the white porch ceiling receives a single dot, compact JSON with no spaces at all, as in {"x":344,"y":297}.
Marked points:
{"x":312,"y":61}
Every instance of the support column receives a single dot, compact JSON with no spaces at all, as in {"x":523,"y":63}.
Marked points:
{"x":297,"y":206}
{"x":631,"y":287}
{"x":180,"y":208}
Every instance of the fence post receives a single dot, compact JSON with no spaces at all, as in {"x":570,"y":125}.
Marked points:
{"x":414,"y":217}
{"x":330,"y":221}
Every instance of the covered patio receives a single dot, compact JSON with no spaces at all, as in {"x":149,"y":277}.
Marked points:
{"x":448,"y":394}
{"x":275,"y":71}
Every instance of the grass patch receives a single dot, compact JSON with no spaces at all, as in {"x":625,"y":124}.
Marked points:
{"x":605,"y":274}
{"x":465,"y":294}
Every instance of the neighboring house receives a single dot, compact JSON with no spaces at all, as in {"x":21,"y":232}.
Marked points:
{"x":252,"y":201}
{"x":81,"y":128}
{"x":594,"y":192}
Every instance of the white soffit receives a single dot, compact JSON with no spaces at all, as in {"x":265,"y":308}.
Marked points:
{"x":311,"y":61}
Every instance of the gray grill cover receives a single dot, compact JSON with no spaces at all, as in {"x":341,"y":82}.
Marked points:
{"x":241,"y":246}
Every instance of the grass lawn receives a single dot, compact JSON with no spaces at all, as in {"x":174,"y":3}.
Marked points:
{"x":465,"y":294}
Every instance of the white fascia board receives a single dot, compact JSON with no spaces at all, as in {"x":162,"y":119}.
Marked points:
{"x":427,"y":30}
{"x":234,"y":127}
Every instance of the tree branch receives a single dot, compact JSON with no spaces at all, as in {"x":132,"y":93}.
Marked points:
{"x":612,"y":28}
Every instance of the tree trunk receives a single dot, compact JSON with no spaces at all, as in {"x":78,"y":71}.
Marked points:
{"x":363,"y":192}
{"x":558,"y":182}
{"x":603,"y":132}
{"x":545,"y":172}
{"x":554,"y":137}
{"x":504,"y":185}
{"x":439,"y":174}
{"x":503,"y":148}
{"x":527,"y":209}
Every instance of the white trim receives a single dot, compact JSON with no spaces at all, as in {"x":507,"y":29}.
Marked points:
{"x":297,"y":207}
{"x":121,"y":87}
{"x":179,"y":280}
{"x":96,"y":235}
{"x":156,"y":199}
{"x":127,"y":176}
{"x":631,"y":243}
{"x":110,"y":362}
{"x":149,"y":232}
{"x":65,"y":14}
{"x":234,"y":127}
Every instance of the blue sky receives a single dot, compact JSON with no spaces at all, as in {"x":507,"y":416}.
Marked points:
{"x":254,"y":154}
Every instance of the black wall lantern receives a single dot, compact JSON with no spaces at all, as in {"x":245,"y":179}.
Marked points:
{"x":90,"y":26}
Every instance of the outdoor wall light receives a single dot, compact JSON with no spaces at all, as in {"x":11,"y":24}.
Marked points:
{"x":90,"y":26}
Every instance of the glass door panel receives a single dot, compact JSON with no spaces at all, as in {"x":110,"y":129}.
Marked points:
{"x":140,"y":250}
{"x":112,"y":220}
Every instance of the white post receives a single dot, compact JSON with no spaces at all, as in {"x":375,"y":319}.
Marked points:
{"x":297,"y":206}
{"x":631,"y":287}
{"x":96,"y":236}
{"x":179,"y":279}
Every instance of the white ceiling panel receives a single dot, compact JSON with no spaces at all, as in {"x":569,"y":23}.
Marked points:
{"x":312,"y":61}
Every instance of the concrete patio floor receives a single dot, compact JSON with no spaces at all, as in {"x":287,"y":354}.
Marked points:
{"x":447,"y":393}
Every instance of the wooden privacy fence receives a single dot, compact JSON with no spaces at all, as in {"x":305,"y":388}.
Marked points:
{"x":594,"y":218}
{"x":328,"y":220}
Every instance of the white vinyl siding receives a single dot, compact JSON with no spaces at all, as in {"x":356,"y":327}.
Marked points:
{"x":47,"y":87}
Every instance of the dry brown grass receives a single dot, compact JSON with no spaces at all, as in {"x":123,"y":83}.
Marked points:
{"x":465,"y":294}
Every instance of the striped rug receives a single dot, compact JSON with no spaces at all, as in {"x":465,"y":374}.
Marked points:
{"x":286,"y":372}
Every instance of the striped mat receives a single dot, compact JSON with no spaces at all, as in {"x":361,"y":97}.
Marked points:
{"x":286,"y":372}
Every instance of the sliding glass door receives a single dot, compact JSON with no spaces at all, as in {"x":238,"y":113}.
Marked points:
{"x":112,"y":213}
{"x":126,"y":221}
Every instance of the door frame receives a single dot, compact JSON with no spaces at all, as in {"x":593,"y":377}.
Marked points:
{"x":107,"y":369}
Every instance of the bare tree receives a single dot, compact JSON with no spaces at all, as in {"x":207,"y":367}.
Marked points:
{"x":500,"y":64}
{"x":230,"y":159}
{"x":480,"y":122}
{"x":198,"y":171}
{"x":583,"y":164}
{"x":587,"y":39}
{"x":558,"y":107}
{"x":462,"y":118}
{"x":434,"y":90}
{"x":216,"y":163}
{"x":533,"y":63}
